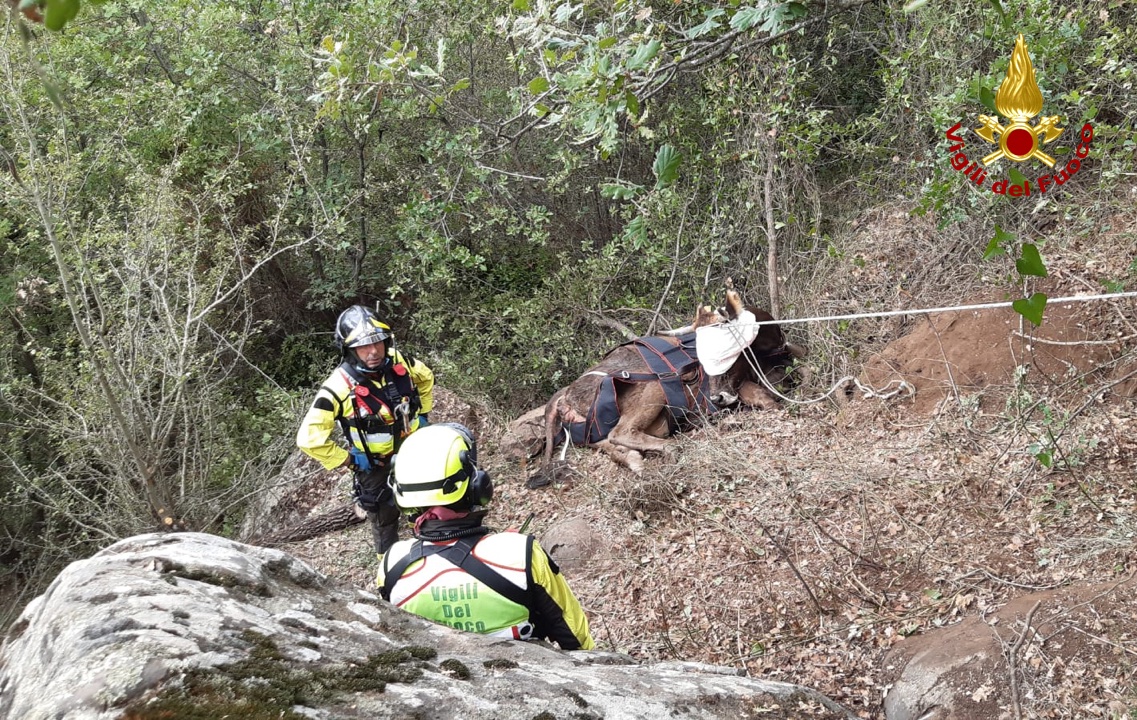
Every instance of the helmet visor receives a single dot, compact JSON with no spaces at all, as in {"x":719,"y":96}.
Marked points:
{"x":364,"y":335}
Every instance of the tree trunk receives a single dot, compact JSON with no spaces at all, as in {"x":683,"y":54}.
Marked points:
{"x":340,"y":518}
{"x":772,"y":236}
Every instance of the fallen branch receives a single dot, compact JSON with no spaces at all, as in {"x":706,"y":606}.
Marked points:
{"x":789,"y":561}
{"x":1011,"y":661}
{"x":334,"y":520}
{"x":616,"y":325}
{"x":1072,"y":343}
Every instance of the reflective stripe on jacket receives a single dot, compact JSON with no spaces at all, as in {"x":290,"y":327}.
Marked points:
{"x":334,"y":401}
{"x":438,"y":590}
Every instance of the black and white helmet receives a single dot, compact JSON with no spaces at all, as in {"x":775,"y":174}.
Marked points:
{"x":358,"y":326}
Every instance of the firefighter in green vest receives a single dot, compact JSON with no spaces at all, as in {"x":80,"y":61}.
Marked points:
{"x":378,"y":396}
{"x":457,"y":571}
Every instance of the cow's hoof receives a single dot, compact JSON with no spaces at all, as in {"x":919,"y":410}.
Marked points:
{"x":559,"y":473}
{"x":635,"y":462}
{"x":538,"y":480}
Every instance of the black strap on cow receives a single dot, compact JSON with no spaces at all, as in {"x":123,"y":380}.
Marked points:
{"x":669,"y":363}
{"x":601,"y":417}
{"x":460,"y":553}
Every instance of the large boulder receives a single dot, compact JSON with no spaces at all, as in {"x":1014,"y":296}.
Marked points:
{"x":196,"y":626}
{"x":1007,"y":661}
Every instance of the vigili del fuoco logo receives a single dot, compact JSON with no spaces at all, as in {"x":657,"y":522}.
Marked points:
{"x":1018,"y":100}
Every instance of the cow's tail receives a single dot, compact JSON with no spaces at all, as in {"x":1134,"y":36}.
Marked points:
{"x":552,"y":424}
{"x":545,"y":474}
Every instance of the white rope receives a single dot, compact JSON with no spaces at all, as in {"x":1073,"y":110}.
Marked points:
{"x":565,"y":447}
{"x":902,"y":385}
{"x":866,"y":391}
{"x":955,"y":308}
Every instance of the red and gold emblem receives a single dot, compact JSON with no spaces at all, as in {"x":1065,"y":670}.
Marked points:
{"x":1019,"y":99}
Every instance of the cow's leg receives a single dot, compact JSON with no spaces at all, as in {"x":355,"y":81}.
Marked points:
{"x":643,"y":427}
{"x":621,"y":455}
{"x":637,"y":439}
{"x":552,"y":424}
{"x":643,"y":418}
{"x":754,"y":395}
{"x":630,"y":435}
{"x":557,"y":412}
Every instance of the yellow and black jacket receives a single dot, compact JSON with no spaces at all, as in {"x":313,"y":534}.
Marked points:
{"x":366,"y":409}
{"x":500,"y":584}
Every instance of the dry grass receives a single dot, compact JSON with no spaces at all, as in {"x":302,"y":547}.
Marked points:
{"x":805,"y":553}
{"x":805,"y":545}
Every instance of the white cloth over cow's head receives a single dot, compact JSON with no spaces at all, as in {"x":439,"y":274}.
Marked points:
{"x":718,"y":346}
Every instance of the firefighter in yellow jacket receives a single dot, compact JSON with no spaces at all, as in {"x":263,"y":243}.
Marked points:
{"x":456,"y":571}
{"x":378,"y":396}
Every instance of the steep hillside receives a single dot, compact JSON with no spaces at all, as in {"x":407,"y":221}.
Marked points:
{"x":819,"y":543}
{"x":805,"y":545}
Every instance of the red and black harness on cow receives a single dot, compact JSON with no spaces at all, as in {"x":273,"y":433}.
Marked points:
{"x":677,"y":370}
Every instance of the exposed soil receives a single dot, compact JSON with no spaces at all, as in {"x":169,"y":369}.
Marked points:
{"x":955,"y":354}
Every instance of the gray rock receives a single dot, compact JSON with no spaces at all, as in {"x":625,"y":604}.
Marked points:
{"x":571,"y":543}
{"x":962,"y":671}
{"x":157,"y":622}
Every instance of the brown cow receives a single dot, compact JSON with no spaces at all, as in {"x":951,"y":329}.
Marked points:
{"x":624,"y":389}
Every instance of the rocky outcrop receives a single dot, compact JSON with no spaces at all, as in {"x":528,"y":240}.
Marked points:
{"x":525,"y":437}
{"x":194,"y":625}
{"x":1006,"y":662}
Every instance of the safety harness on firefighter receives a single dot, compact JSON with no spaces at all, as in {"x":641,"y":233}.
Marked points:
{"x":460,"y":554}
{"x":397,"y":395}
{"x":677,"y":370}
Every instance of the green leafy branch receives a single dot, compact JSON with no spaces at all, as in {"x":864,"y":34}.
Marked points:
{"x":592,"y":71}
{"x":394,"y":77}
{"x":1028,"y":264}
{"x":666,"y":171}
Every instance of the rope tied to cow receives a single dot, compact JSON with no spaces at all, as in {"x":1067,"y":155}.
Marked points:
{"x":952,"y":308}
{"x":866,"y":391}
{"x":902,"y":386}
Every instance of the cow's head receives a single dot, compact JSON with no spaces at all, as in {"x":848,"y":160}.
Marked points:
{"x":767,"y":352}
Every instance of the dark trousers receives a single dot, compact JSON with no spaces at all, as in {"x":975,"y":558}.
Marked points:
{"x":384,"y":527}
{"x":375,"y":496}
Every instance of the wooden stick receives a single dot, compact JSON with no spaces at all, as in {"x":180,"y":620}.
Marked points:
{"x":1011,"y":661}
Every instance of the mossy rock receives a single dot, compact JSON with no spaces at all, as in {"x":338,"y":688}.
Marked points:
{"x":267,"y":685}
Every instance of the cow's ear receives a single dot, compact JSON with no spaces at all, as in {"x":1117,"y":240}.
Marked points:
{"x":705,"y":316}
